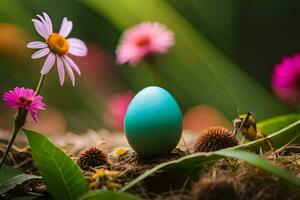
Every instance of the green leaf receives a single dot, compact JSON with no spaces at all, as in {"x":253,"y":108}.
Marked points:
{"x":62,"y":176}
{"x":11,"y":177}
{"x":275,"y":124}
{"x":13,"y":182}
{"x":108,"y":195}
{"x":193,"y":67}
{"x":194,"y":161}
{"x":7,"y":172}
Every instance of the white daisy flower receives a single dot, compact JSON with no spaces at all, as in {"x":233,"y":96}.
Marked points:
{"x":119,"y":152}
{"x":57,"y":47}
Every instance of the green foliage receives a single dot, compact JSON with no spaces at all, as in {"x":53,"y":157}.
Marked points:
{"x":62,"y":176}
{"x":8,"y":172}
{"x":275,"y":124}
{"x":13,"y":182}
{"x":194,"y":67}
{"x":108,"y":195}
{"x":11,"y":177}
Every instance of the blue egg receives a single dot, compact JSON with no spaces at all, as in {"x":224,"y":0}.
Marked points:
{"x":153,"y":122}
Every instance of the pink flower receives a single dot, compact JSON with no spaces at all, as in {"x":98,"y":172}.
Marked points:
{"x":142,"y":40}
{"x":117,"y":108}
{"x":24,"y":98}
{"x":286,"y":79}
{"x":57,"y":47}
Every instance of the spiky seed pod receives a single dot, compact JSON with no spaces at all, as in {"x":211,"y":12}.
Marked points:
{"x":92,"y":157}
{"x":215,"y":138}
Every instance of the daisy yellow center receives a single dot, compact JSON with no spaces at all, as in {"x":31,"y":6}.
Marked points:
{"x":25,"y":101}
{"x":143,"y":41}
{"x":58,"y":43}
{"x":120,"y":152}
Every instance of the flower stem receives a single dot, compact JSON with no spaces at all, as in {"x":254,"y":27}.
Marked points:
{"x":40,"y":84}
{"x":20,"y":121}
{"x":9,"y":145}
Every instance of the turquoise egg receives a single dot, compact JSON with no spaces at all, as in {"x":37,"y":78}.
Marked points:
{"x":153,"y":122}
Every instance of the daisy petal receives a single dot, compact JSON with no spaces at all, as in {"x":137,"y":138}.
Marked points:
{"x":70,"y":71}
{"x":60,"y":69}
{"x":73,"y":65}
{"x":42,"y":19}
{"x":49,"y":23}
{"x":36,"y":45}
{"x":40,"y":28}
{"x":66,"y":27}
{"x":48,"y":63}
{"x":40,"y":53}
{"x":77,"y":47}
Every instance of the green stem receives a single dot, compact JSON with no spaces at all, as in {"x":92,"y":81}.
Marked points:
{"x":9,"y":145}
{"x":156,"y":76}
{"x":20,"y":122}
{"x":40,"y":84}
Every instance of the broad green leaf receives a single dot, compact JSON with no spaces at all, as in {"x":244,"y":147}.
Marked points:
{"x":14,"y":181}
{"x":194,"y":161}
{"x":62,"y":176}
{"x":275,"y":124}
{"x":193,"y":67}
{"x":7,"y":172}
{"x":108,"y":195}
{"x":11,"y":177}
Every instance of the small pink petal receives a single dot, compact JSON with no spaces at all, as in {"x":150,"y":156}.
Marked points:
{"x":73,"y":65}
{"x":33,"y":115}
{"x":70,"y":71}
{"x":147,"y":38}
{"x":66,"y":27}
{"x":48,"y":63}
{"x":40,"y":28}
{"x":12,"y":99}
{"x":60,"y":69}
{"x":36,"y":45}
{"x":42,"y":20}
{"x":77,"y":47}
{"x":40,"y":53}
{"x":49,"y":22}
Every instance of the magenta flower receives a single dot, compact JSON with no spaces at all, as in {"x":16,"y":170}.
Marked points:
{"x":57,"y":47}
{"x":286,"y":79}
{"x":117,"y":107}
{"x":24,"y":98}
{"x":147,"y":38}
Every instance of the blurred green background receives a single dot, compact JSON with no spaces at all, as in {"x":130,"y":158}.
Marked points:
{"x":223,"y":56}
